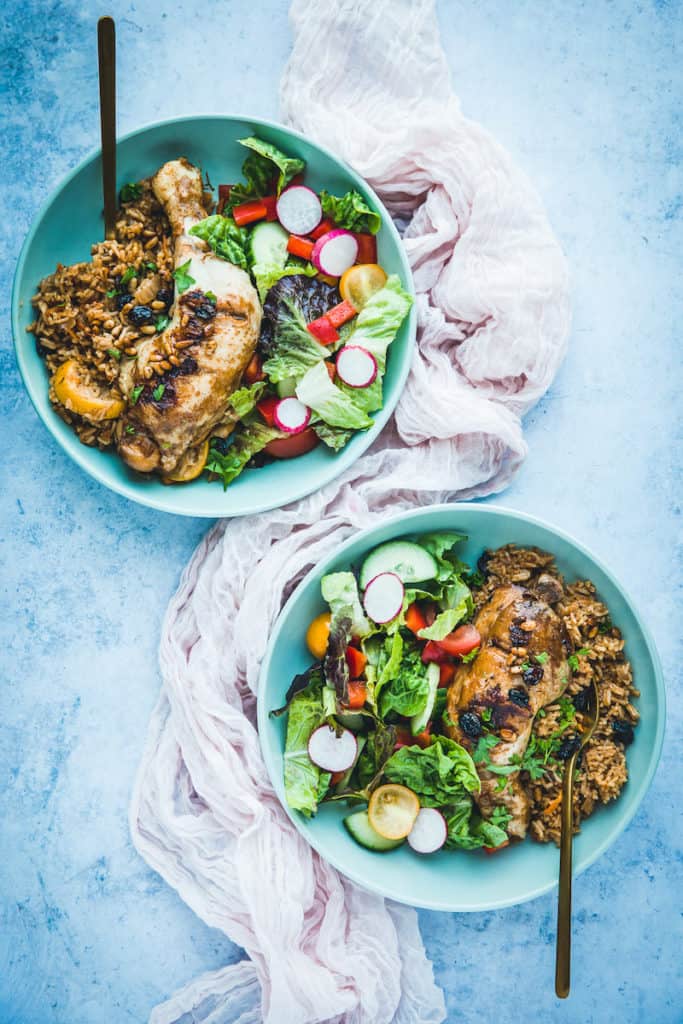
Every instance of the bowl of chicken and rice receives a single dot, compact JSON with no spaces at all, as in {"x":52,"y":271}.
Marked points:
{"x":136,"y":351}
{"x":531,"y":622}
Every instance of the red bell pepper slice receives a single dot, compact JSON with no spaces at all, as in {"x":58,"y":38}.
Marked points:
{"x":331,"y":369}
{"x":323,"y":331}
{"x":254,"y":371}
{"x":367,"y":248}
{"x":267,"y":409}
{"x":299,"y":246}
{"x":341,"y":314}
{"x":415,"y":620}
{"x":247,"y":213}
{"x":356,"y":661}
{"x":270,"y":203}
{"x":357,"y":695}
{"x":323,"y":227}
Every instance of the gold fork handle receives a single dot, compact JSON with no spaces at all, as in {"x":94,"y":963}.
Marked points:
{"x":106,"y":49}
{"x":564,"y":903}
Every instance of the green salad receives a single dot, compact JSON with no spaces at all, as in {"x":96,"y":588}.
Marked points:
{"x":330,"y":311}
{"x":365,"y":722}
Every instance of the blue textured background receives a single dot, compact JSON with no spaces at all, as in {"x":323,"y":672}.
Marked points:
{"x":587,"y":97}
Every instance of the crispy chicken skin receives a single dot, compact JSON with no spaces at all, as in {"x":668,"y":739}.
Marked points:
{"x":512,"y":618}
{"x":213,"y":342}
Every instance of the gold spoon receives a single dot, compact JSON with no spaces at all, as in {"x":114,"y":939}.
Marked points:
{"x":106,"y":52}
{"x":564,"y":900}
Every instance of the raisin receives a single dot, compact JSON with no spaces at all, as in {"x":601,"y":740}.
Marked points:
{"x":483,"y":562}
{"x":123,"y":300}
{"x":518,"y":637}
{"x":141,"y":316}
{"x":533,"y":675}
{"x":165,"y":295}
{"x":568,"y":747}
{"x":518,"y":697}
{"x":581,"y":700}
{"x":206,"y":311}
{"x":622,"y":731}
{"x":470,"y":723}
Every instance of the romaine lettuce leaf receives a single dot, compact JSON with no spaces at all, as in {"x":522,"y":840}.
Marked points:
{"x":407,"y":689}
{"x":255,"y":170}
{"x":457,"y":598}
{"x":441,"y":545}
{"x":225,"y":238}
{"x":305,"y":784}
{"x":316,"y":390}
{"x":441,"y":774}
{"x":340,"y":590}
{"x":244,"y":399}
{"x":227,"y":462}
{"x":334,"y":437}
{"x":389,"y":662}
{"x":351,"y":211}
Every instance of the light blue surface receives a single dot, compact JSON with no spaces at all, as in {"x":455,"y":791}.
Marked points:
{"x":75,"y":207}
{"x":449,"y":881}
{"x":587,"y":97}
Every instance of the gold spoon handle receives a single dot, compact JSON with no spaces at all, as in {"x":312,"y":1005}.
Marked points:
{"x":564,"y":903}
{"x":106,"y":51}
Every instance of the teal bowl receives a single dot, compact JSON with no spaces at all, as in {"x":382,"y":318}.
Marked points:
{"x":460,"y":881}
{"x":69,"y":223}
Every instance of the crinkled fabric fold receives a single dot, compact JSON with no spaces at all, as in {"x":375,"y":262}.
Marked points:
{"x":493,"y":320}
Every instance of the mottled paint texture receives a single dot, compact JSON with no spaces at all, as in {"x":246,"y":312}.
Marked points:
{"x":587,"y":98}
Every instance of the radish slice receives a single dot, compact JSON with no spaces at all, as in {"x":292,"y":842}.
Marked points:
{"x":356,"y":366}
{"x":429,"y":832}
{"x":299,"y":210}
{"x":330,"y":752}
{"x":291,"y":415}
{"x":383,"y":597}
{"x":335,"y":252}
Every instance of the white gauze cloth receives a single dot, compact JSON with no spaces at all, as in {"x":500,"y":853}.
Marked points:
{"x":493,"y":313}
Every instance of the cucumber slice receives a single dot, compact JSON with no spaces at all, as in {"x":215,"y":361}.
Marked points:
{"x":418,"y":723}
{"x":409,"y":561}
{"x":268,"y":242}
{"x":360,"y":829}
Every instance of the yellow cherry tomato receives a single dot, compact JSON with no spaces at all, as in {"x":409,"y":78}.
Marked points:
{"x":190,"y":466}
{"x":318,"y":635}
{"x":360,"y":282}
{"x":392,"y":810}
{"x":87,"y":400}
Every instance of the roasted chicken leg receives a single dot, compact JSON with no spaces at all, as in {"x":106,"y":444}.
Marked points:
{"x":515,"y":627}
{"x":206,"y":347}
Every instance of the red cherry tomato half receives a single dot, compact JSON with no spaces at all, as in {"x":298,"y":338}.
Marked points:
{"x":290,"y":447}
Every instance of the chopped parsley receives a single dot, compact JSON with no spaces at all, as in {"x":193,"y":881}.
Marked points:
{"x":500,"y":816}
{"x":158,"y":392}
{"x":486,"y":715}
{"x":114,"y":352}
{"x":161,"y":322}
{"x":130,"y":192}
{"x":151,"y":265}
{"x":112,"y":292}
{"x":573,"y":659}
{"x":130,"y":429}
{"x":211,"y":296}
{"x":605,"y":626}
{"x":135,"y":393}
{"x":474,"y":578}
{"x":542,"y":657}
{"x":466,"y":658}
{"x":183,"y":279}
{"x":128,"y":275}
